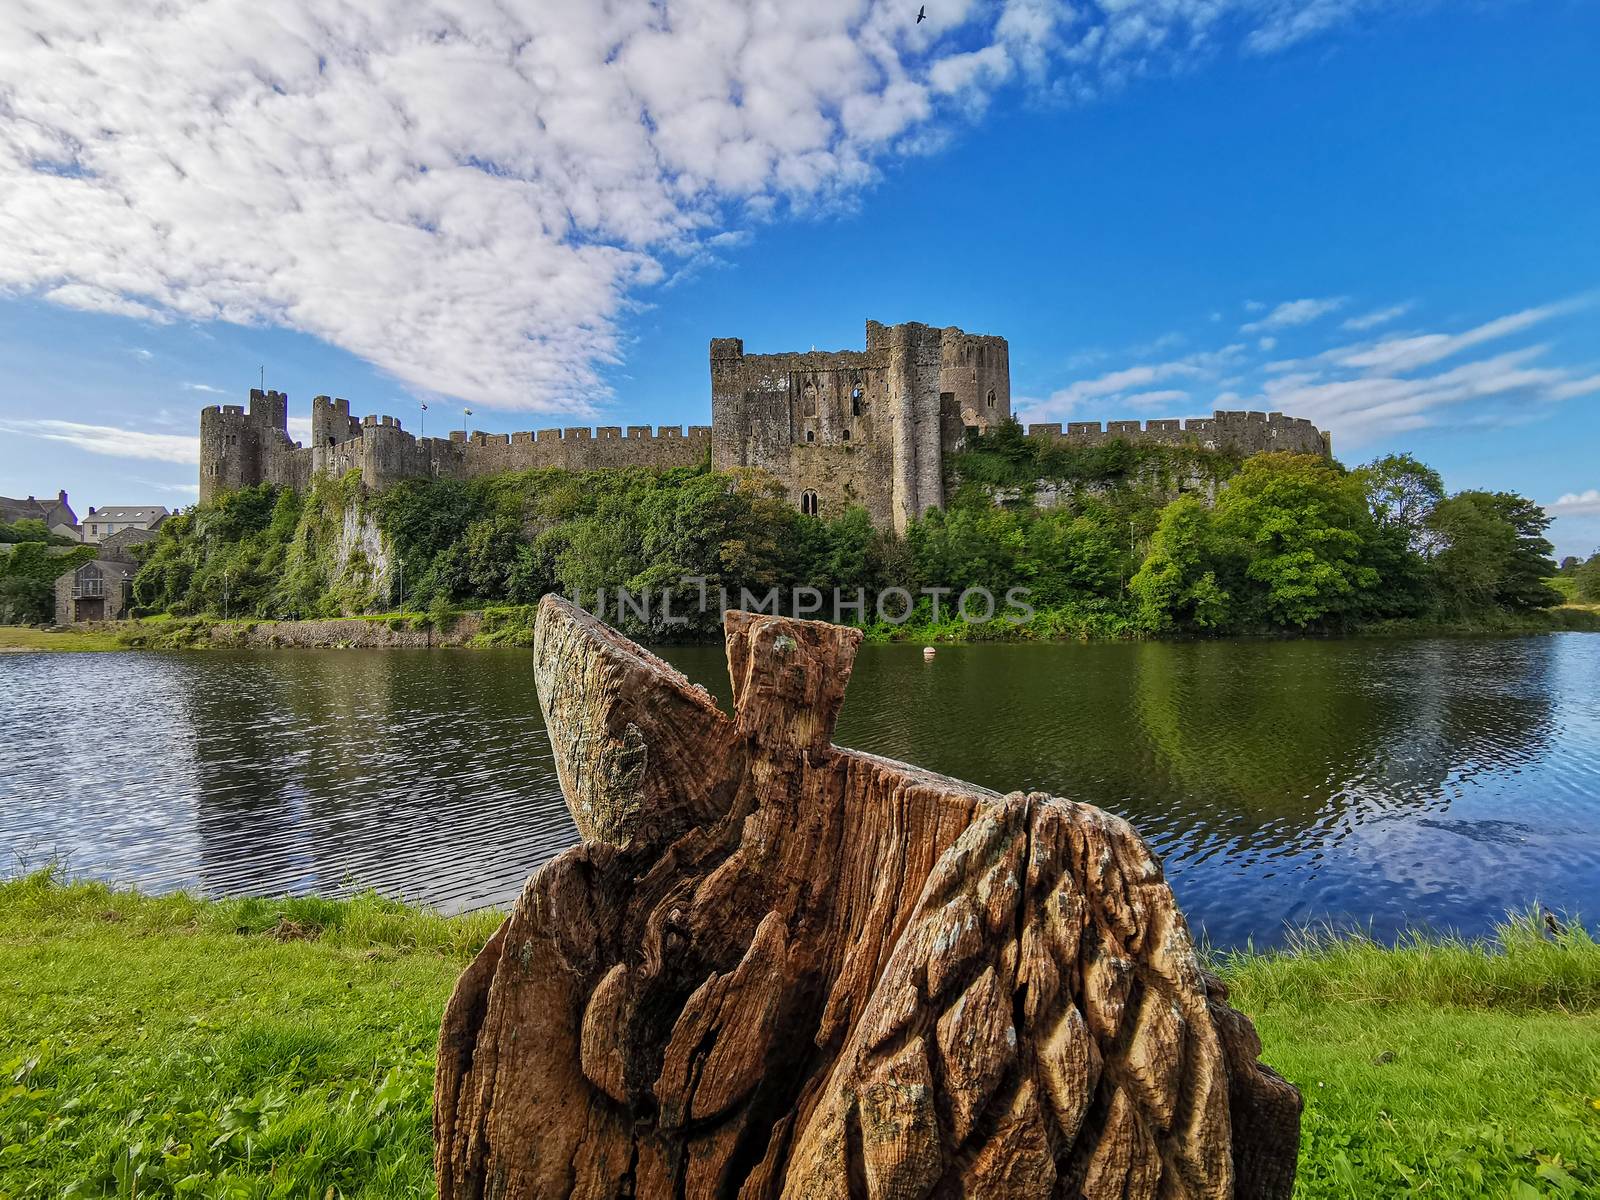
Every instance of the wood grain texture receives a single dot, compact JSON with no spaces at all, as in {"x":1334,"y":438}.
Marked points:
{"x":776,"y":968}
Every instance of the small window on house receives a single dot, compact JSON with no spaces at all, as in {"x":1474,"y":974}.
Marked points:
{"x":847,"y":435}
{"x":808,"y":503}
{"x":990,"y":400}
{"x":811,"y":435}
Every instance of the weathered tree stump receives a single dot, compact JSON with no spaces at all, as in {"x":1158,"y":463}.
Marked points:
{"x":776,"y":968}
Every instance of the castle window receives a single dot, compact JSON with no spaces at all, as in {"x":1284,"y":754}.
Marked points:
{"x":811,"y":435}
{"x":991,"y":398}
{"x":855,"y":402}
{"x":810,"y":403}
{"x":808,"y":503}
{"x":847,"y":435}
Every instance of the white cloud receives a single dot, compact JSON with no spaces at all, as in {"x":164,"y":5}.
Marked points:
{"x":1294,"y":312}
{"x":1575,"y":503}
{"x":1359,"y":392}
{"x":1409,"y":353}
{"x":1156,"y":399}
{"x":471,"y":194}
{"x":109,"y":440}
{"x":1574,"y":388}
{"x":205,"y":387}
{"x":1123,"y":385}
{"x":1381,"y":316}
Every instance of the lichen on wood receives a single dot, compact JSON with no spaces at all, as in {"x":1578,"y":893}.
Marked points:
{"x":778,"y":968}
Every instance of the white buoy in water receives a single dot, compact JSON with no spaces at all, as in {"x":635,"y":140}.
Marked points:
{"x":927,"y":652}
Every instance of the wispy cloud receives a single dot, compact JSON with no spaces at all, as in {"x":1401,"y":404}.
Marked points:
{"x":1124,"y":384}
{"x":1403,"y":354}
{"x":1381,"y":316}
{"x":1575,"y":504}
{"x":181,"y":489}
{"x":1361,"y":391}
{"x":1294,"y":312}
{"x":205,"y":387}
{"x":1157,"y":399}
{"x":110,"y":440}
{"x":471,"y":197}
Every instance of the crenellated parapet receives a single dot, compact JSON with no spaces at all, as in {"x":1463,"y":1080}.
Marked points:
{"x":1237,"y":432}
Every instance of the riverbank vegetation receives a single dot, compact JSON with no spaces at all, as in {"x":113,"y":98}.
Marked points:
{"x":171,"y":1047}
{"x":1108,"y":541}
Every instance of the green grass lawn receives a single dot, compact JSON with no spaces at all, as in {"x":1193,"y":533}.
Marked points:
{"x":155,"y":1047}
{"x":25,"y":637}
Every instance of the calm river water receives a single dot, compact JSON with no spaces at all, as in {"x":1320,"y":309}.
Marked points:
{"x":1385,"y":784}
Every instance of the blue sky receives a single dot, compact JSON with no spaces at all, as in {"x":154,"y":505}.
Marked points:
{"x":1382,"y":216}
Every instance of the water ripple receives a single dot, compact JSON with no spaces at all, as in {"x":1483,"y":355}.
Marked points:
{"x":1385,"y":784}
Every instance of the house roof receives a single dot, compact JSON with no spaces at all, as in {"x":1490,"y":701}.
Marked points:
{"x":14,"y":509}
{"x":128,"y":512}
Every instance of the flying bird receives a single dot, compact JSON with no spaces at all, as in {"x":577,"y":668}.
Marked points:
{"x":922,"y":14}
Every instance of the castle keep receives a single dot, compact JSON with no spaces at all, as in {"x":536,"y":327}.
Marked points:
{"x":871,"y":427}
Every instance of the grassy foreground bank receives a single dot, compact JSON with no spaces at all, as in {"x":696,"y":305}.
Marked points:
{"x":169,"y":1046}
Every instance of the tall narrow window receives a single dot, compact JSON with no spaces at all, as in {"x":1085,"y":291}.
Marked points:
{"x":808,"y":503}
{"x":855,"y":402}
{"x":991,"y":398}
{"x":809,"y":401}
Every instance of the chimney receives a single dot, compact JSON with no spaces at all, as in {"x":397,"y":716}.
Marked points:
{"x":61,"y":497}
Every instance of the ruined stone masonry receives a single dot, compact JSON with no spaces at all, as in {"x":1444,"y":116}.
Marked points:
{"x":866,"y":427}
{"x":777,"y":968}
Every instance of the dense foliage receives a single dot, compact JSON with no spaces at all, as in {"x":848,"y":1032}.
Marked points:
{"x":1112,"y":540}
{"x":1580,"y":579}
{"x":30,"y":564}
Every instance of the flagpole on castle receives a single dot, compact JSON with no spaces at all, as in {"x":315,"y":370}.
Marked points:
{"x":465,"y":413}
{"x":422,"y":428}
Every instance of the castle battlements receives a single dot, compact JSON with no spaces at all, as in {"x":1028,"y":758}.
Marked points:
{"x":1241,"y":432}
{"x":872,"y":427}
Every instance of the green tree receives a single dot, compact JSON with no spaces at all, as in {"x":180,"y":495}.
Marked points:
{"x":1587,"y":579}
{"x":32,"y":529}
{"x":1491,"y":552}
{"x":1303,"y":528}
{"x":1401,"y":492}
{"x":1177,"y":586}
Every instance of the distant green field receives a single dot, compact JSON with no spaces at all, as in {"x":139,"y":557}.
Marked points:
{"x":174,"y":1047}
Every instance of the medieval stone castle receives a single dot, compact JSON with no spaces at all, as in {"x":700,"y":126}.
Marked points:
{"x":866,"y":427}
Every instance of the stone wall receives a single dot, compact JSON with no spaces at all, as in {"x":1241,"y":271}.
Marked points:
{"x":872,"y":427}
{"x":1241,"y":432}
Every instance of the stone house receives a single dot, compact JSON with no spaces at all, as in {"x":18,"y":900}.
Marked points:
{"x":99,"y":590}
{"x":101,"y":523}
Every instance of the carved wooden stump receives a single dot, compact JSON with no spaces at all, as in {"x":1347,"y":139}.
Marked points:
{"x":775,"y":968}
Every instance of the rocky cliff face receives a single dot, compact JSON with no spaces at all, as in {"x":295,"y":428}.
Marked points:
{"x":776,"y":968}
